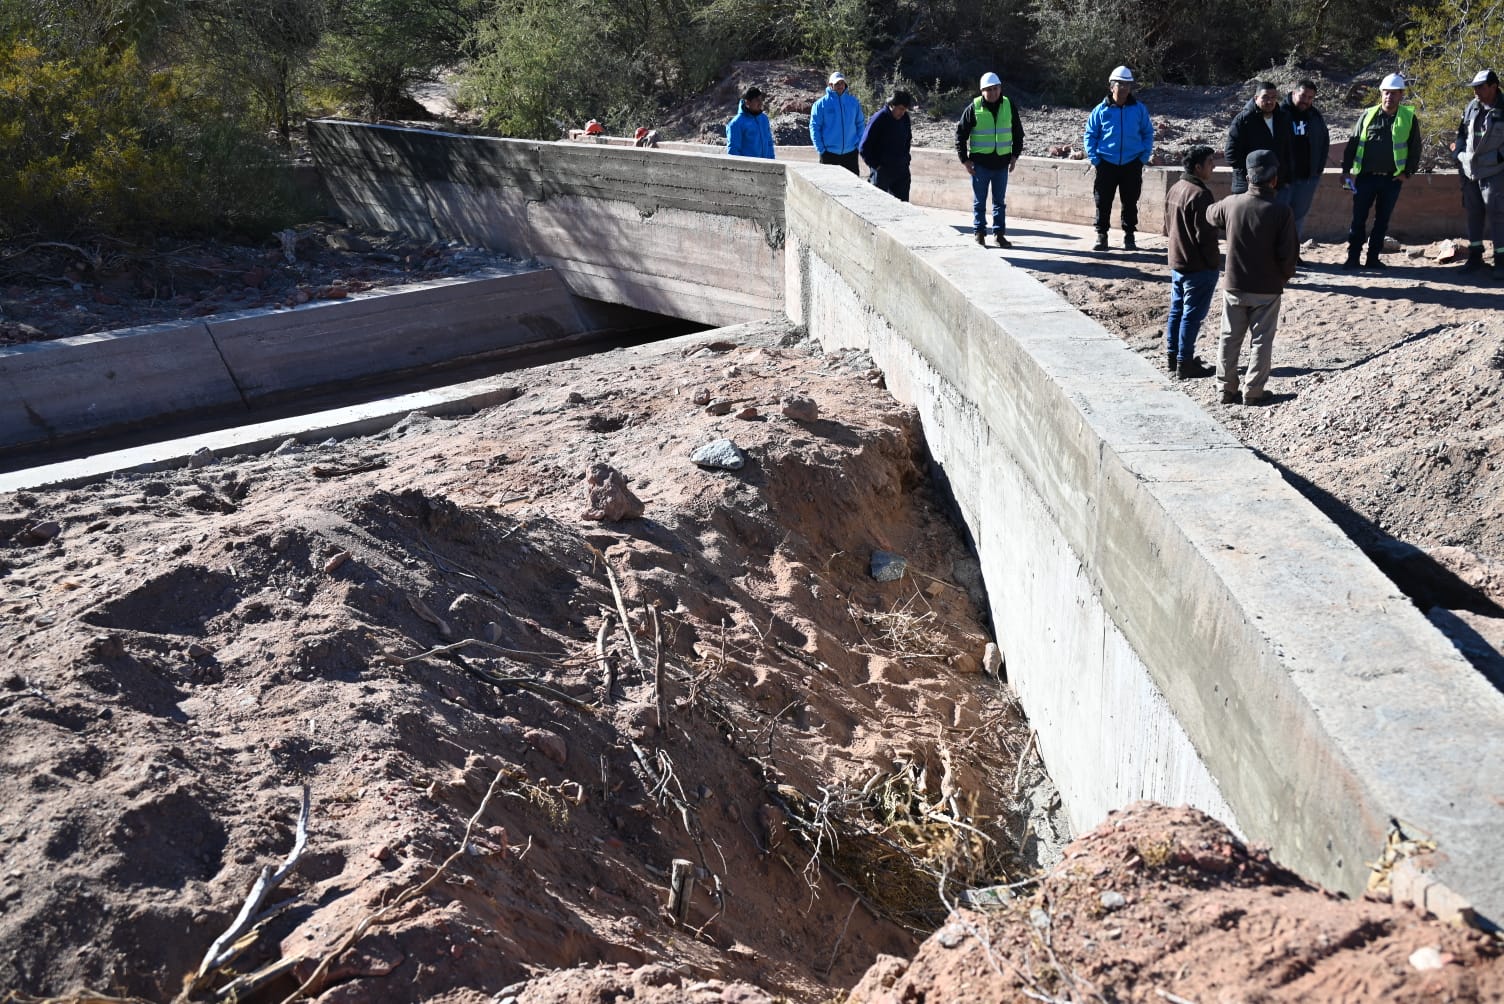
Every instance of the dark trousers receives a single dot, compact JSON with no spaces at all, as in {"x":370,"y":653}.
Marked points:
{"x":846,"y":160}
{"x":1123,"y":180}
{"x":1370,"y":190}
{"x":894,"y":182}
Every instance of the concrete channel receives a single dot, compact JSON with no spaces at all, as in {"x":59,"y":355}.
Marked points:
{"x":1180,"y":623}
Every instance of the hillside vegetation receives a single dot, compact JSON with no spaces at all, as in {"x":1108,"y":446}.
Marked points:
{"x":144,"y":117}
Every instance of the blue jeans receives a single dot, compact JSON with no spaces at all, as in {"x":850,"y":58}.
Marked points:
{"x":981,"y":177}
{"x":1368,"y":190}
{"x":1302,"y":194}
{"x":1190,"y":301}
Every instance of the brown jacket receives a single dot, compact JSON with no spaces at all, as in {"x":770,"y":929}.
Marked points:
{"x":1261,"y":245}
{"x":1193,"y":242}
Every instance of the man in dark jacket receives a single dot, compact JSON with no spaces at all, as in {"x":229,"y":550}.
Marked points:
{"x":1382,"y":152}
{"x":1261,"y":250}
{"x":1479,"y":149}
{"x":1261,"y":125}
{"x":885,"y":146}
{"x":989,"y":139}
{"x":1310,"y":142}
{"x":1194,"y":261}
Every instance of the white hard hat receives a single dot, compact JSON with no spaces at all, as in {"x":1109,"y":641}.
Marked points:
{"x":991,"y":80}
{"x":1121,"y":75}
{"x":836,"y":78}
{"x":1393,"y":82}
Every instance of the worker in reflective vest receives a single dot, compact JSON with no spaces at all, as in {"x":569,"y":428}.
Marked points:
{"x":989,"y":138}
{"x":1384,"y":150}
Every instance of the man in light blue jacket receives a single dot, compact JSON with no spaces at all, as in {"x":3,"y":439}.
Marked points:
{"x":1119,"y":142}
{"x":835,"y":125}
{"x":750,"y":134}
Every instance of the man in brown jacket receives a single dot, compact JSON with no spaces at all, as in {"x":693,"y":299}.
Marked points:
{"x":1261,"y":256}
{"x":1194,"y":261}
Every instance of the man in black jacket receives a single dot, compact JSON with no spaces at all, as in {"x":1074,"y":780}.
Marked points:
{"x":1261,"y":125}
{"x":1310,"y":144}
{"x":885,"y":146}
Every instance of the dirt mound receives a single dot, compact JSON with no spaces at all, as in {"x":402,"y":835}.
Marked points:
{"x":1161,"y":904}
{"x":409,"y":621}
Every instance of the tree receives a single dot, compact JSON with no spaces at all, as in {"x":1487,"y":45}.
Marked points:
{"x":374,"y":50}
{"x":1439,"y":50}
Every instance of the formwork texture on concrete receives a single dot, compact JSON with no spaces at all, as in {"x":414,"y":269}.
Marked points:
{"x":1319,"y":699}
{"x":60,"y":391}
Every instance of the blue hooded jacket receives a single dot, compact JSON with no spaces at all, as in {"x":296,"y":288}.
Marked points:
{"x":749,"y":135}
{"x":835,"y":123}
{"x":1119,"y":135}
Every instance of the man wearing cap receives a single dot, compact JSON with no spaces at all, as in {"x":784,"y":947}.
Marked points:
{"x":749,"y":134}
{"x":1194,"y":262}
{"x":1119,"y":142}
{"x":989,"y":139}
{"x":1479,"y":149}
{"x":1261,"y":125}
{"x":1310,"y":142}
{"x":1261,"y":249}
{"x":885,"y":146}
{"x":1383,"y":151}
{"x":835,"y":125}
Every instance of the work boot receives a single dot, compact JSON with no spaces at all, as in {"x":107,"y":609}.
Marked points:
{"x":1002,"y":241}
{"x":1101,"y":244}
{"x":1193,"y":369}
{"x":1128,"y":242}
{"x":1373,"y":260}
{"x":1353,"y":251}
{"x":1231,"y":397}
{"x":1170,"y":361}
{"x":1498,"y":274}
{"x":981,"y":236}
{"x":1474,"y":261}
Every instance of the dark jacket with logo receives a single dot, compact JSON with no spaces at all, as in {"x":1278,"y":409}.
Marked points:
{"x":1310,"y":141}
{"x":1249,"y":132}
{"x":1193,"y":240}
{"x":1261,"y":244}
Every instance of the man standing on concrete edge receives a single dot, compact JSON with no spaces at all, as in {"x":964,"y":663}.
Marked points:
{"x":749,"y":134}
{"x":1310,"y":142}
{"x":1119,"y":142}
{"x":989,"y":139}
{"x":835,"y":125}
{"x":1480,"y":161}
{"x":1261,"y":250}
{"x":1194,"y":261}
{"x":1261,"y":125}
{"x":1383,"y":151}
{"x":885,"y":146}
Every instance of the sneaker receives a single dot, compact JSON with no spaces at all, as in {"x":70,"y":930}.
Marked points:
{"x":1128,"y":243}
{"x":981,"y":237}
{"x":1101,"y":244}
{"x":1374,"y":262}
{"x":1231,"y":397}
{"x":1002,"y":241}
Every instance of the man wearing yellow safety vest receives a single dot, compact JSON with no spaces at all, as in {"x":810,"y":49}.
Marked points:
{"x":1383,"y":151}
{"x":989,"y":139}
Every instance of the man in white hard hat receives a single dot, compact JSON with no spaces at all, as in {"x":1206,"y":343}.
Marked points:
{"x":1119,"y":142}
{"x":989,"y":139}
{"x":835,"y":124}
{"x":1479,"y":149}
{"x":1383,"y":151}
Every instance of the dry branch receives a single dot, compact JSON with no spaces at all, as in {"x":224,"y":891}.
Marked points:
{"x":621,"y":608}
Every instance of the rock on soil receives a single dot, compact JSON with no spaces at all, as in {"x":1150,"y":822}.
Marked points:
{"x":403,"y":621}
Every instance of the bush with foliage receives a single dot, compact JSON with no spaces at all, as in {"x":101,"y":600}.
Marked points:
{"x":97,"y":143}
{"x":1439,"y":49}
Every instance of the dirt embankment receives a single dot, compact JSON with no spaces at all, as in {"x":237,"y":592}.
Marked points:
{"x":407,"y":621}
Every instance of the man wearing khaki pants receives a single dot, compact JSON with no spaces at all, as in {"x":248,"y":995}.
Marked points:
{"x":1261,"y":257}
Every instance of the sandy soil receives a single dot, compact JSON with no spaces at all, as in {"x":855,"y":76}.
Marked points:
{"x":398,"y":622}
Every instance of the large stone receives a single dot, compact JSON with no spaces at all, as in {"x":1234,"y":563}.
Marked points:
{"x":722,"y":454}
{"x":887,"y":566}
{"x":609,"y":497}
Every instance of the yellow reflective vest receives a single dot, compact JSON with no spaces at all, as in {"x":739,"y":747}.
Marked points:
{"x":992,"y":134}
{"x":1404,"y":121}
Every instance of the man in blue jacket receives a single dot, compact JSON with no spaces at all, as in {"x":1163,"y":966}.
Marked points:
{"x":835,"y":125}
{"x":749,"y":134}
{"x":1119,"y":142}
{"x":885,"y":146}
{"x":989,"y":139}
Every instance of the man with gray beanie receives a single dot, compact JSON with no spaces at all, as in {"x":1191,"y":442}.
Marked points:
{"x":1261,"y":256}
